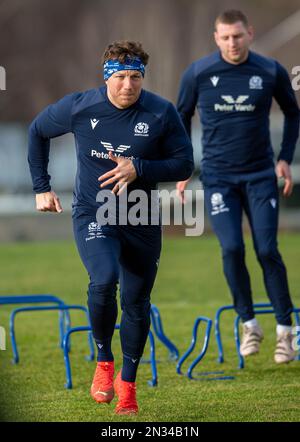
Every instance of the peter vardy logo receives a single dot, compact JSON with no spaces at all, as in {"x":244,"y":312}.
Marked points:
{"x":240,"y":99}
{"x":94,"y":122}
{"x":234,"y":104}
{"x":214,"y":80}
{"x":142,"y":130}
{"x":120,"y":149}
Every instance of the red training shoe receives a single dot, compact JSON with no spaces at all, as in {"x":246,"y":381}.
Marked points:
{"x":126,"y":392}
{"x":102,"y":389}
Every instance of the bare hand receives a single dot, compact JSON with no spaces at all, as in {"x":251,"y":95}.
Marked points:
{"x":48,"y":202}
{"x":180,"y":188}
{"x":123,"y":174}
{"x":283,"y":170}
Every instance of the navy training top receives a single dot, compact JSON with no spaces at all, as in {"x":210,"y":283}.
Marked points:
{"x":149,"y":132}
{"x":234,"y":104}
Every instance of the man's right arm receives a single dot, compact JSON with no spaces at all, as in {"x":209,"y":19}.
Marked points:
{"x":53,"y":121}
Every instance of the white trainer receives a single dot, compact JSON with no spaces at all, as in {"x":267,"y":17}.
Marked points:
{"x":252,"y":337}
{"x":284,"y":351}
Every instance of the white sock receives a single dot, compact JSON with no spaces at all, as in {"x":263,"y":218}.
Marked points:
{"x":252,"y":323}
{"x":283,"y":328}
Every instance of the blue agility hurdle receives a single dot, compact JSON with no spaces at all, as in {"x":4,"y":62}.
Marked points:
{"x":69,"y":385}
{"x":259,"y":312}
{"x":218,"y":328}
{"x":61,"y":307}
{"x":64,"y":317}
{"x":159,"y":332}
{"x":200,"y":376}
{"x":66,"y":330}
{"x":201,"y":355}
{"x":193,"y":344}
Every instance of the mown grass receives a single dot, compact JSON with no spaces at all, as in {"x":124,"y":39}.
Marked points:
{"x":189,"y":283}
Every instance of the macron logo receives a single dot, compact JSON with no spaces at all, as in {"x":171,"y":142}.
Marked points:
{"x":94,"y":122}
{"x":214,"y":80}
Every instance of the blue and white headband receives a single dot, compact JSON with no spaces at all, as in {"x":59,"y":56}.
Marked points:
{"x":132,"y":64}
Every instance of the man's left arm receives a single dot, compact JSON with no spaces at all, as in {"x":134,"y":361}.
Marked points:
{"x":285,"y":97}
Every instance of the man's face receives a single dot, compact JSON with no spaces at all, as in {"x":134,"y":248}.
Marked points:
{"x":234,"y":41}
{"x":124,"y":88}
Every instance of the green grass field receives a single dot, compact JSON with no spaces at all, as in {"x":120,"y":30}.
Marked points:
{"x":189,"y":283}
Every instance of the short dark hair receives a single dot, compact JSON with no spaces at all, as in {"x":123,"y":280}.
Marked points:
{"x":230,"y":17}
{"x":120,"y":50}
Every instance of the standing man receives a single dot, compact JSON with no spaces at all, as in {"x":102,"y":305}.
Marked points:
{"x":232,"y":90}
{"x":108,"y":123}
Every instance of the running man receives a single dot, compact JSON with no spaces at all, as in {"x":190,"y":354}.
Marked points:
{"x":125,"y":137}
{"x":233,"y":90}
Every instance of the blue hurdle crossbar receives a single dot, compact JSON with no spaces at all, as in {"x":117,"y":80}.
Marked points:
{"x":64,"y":317}
{"x":61,"y":307}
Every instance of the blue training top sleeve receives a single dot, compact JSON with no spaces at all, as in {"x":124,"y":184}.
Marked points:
{"x":187,"y":98}
{"x":53,"y":121}
{"x":285,"y":97}
{"x":177,"y":151}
